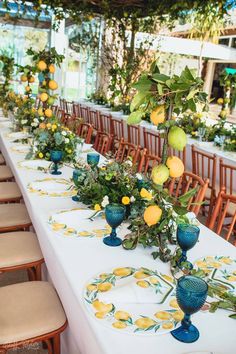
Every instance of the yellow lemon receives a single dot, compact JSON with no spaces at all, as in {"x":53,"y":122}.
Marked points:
{"x":178,"y":315}
{"x":220,"y":101}
{"x":91,"y":287}
{"x":231,"y":278}
{"x":167,"y":325}
{"x":54,"y":126}
{"x":168,"y":278}
{"x":140,"y":275}
{"x":100,"y":315}
{"x":174,"y":303}
{"x":160,"y":174}
{"x":158,"y":115}
{"x":27,"y":88}
{"x":101,"y":307}
{"x":48,"y":112}
{"x":143,"y":283}
{"x":42,"y":65}
{"x":122,"y":272}
{"x":145,"y":194}
{"x":152,"y":215}
{"x":31,"y":79}
{"x":215,"y":265}
{"x":23,"y":78}
{"x":40,"y":111}
{"x":122,"y":315}
{"x":119,"y":325}
{"x":177,"y":138}
{"x":97,"y":207}
{"x":104,"y":287}
{"x":144,"y":322}
{"x":162,"y":315}
{"x":44,"y":97}
{"x":58,"y":226}
{"x":48,"y":125}
{"x":52,"y":85}
{"x":51,"y":68}
{"x":226,"y":260}
{"x":176,"y":166}
{"x":40,"y":155}
{"x":153,"y":280}
{"x":201,"y":264}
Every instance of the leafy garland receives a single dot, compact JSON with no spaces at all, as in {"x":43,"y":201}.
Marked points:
{"x":7,"y":72}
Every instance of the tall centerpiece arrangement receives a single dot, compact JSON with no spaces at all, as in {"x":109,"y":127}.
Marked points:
{"x":7,"y":70}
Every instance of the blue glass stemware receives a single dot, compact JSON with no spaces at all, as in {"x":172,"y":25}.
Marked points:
{"x":56,"y":157}
{"x":187,"y":237}
{"x":191,"y":294}
{"x":115,"y":214}
{"x":93,"y":159}
{"x":76,"y":174}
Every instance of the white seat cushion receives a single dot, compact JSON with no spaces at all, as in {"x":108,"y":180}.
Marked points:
{"x":29,"y":310}
{"x":5,"y":173}
{"x":2,"y":160}
{"x":9,"y":190}
{"x":13,"y":215}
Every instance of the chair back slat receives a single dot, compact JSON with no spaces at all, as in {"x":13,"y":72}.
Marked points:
{"x":94,"y":119}
{"x":105,"y":123}
{"x":147,"y":162}
{"x":126,"y":150}
{"x":134,"y":134}
{"x":152,"y":142}
{"x":117,"y":128}
{"x":204,"y":165}
{"x":102,"y":143}
{"x":227,"y":177}
{"x":84,"y":111}
{"x":85,"y":131}
{"x":76,"y":110}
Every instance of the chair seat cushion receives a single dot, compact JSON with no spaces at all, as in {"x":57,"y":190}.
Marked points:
{"x":13,"y":215}
{"x":5,"y":173}
{"x":2,"y":160}
{"x":18,"y":248}
{"x":29,"y":310}
{"x":9,"y":190}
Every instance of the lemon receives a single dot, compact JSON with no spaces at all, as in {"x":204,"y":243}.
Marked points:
{"x":51,"y":68}
{"x":152,"y":215}
{"x":223,"y":113}
{"x":51,"y":100}
{"x":153,"y":280}
{"x":176,"y":166}
{"x":201,"y":264}
{"x":160,"y":174}
{"x":220,"y":101}
{"x":101,"y":307}
{"x":168,"y":278}
{"x":157,"y":116}
{"x":57,"y":226}
{"x":44,"y":97}
{"x":31,"y":79}
{"x":174,"y":304}
{"x":122,"y":315}
{"x":140,"y":275}
{"x":42,"y":65}
{"x":167,"y":325}
{"x":52,"y":85}
{"x":231,"y":278}
{"x":178,"y":315}
{"x":23,"y":78}
{"x":143,"y":283}
{"x":48,"y":112}
{"x":104,"y":287}
{"x":177,"y":138}
{"x":100,"y":315}
{"x":226,"y":260}
{"x":145,"y":194}
{"x":122,"y":272}
{"x":91,"y":287}
{"x":27,"y":88}
{"x":144,"y":322}
{"x":103,"y":275}
{"x":162,"y":315}
{"x":119,"y":325}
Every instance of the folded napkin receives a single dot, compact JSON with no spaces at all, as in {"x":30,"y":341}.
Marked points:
{"x":135,"y":291}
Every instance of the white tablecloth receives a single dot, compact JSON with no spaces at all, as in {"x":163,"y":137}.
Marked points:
{"x":72,"y":262}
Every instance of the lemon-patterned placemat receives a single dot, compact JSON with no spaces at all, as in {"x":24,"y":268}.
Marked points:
{"x":133,"y":300}
{"x":52,"y":187}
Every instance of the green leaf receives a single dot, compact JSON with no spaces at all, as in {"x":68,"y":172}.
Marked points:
{"x":138,"y":99}
{"x":191,"y":94}
{"x":180,"y":210}
{"x":135,"y":118}
{"x":183,"y":199}
{"x":160,"y":78}
{"x":187,"y":75}
{"x":233,"y":316}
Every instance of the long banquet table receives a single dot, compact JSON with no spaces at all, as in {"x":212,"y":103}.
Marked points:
{"x":72,"y":262}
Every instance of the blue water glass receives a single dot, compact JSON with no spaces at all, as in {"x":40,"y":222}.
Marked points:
{"x":115,"y":214}
{"x":75,"y":176}
{"x":93,"y":159}
{"x":187,"y":237}
{"x":191,"y":294}
{"x":56,"y":157}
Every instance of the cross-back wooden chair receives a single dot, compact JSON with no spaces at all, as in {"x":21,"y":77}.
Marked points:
{"x":69,"y":107}
{"x":179,"y":154}
{"x":105,"y":123}
{"x":94,"y":119}
{"x":85,"y":131}
{"x":180,"y":186}
{"x":76,"y":110}
{"x":227,"y":177}
{"x":147,"y":162}
{"x":69,"y":121}
{"x":118,"y":132}
{"x":134,"y":134}
{"x":103,"y":143}
{"x":152,"y":142}
{"x":62,"y":103}
{"x":84,"y":110}
{"x":219,"y":221}
{"x":125,"y":150}
{"x":204,"y":165}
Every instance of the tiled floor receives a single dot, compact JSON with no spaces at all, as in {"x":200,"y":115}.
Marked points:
{"x":12,"y":278}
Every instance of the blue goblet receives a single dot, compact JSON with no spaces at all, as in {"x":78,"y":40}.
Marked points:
{"x":187,"y":236}
{"x":191,"y":294}
{"x":93,"y":159}
{"x":76,"y":174}
{"x":115,"y":214}
{"x":56,"y":157}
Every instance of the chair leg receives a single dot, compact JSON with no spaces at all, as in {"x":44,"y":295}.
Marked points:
{"x":47,"y":344}
{"x":38,"y":272}
{"x":31,"y":274}
{"x":56,"y":344}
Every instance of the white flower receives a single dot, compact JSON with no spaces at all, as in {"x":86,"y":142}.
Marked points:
{"x":36,"y":120}
{"x":139,"y":176}
{"x":64,"y":132}
{"x":128,"y":162}
{"x":67,"y":140}
{"x":34,"y":124}
{"x":105,"y":201}
{"x":24,"y":121}
{"x":132,"y":199}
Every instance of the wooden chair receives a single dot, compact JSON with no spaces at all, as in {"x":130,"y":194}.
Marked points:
{"x":69,"y":121}
{"x":118,"y":132}
{"x":204,"y":165}
{"x":134,"y":134}
{"x":179,"y":154}
{"x":180,"y":186}
{"x":9,"y":192}
{"x":2,"y":160}
{"x":76,"y":110}
{"x":103,"y":143}
{"x":219,"y":220}
{"x":152,"y":142}
{"x":85,"y":131}
{"x":227,"y":177}
{"x":69,"y":107}
{"x":14,"y":217}
{"x":62,"y":103}
{"x":147,"y":162}
{"x":126,"y":150}
{"x":84,"y":110}
{"x":5,"y":174}
{"x":38,"y":316}
{"x":105,"y":123}
{"x":21,"y":250}
{"x":94,"y":119}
